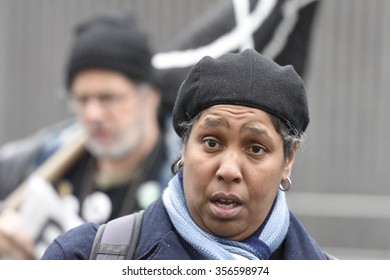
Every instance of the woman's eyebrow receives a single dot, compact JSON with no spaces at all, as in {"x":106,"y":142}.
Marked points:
{"x":257,"y":131}
{"x":209,"y":122}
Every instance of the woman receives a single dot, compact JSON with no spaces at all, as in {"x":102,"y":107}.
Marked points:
{"x":241,"y":118}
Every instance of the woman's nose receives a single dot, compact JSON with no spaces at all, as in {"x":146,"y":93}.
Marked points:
{"x":230,"y":168}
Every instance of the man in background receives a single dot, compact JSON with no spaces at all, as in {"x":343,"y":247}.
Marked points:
{"x":121,"y":164}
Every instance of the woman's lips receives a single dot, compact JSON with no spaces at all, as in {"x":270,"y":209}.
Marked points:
{"x":225,"y":208}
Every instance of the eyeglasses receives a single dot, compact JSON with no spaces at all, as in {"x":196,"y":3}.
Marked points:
{"x":107,"y":100}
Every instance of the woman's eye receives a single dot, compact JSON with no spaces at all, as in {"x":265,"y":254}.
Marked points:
{"x":210,"y":143}
{"x":257,"y":150}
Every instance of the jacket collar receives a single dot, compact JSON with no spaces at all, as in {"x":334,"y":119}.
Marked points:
{"x":158,"y":239}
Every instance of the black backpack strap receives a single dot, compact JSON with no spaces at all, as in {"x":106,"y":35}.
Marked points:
{"x":118,"y":239}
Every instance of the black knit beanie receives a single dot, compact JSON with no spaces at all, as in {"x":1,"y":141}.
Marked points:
{"x":113,"y":42}
{"x":247,"y":78}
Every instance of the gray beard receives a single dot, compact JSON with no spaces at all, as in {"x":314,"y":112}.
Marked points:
{"x":125,"y":148}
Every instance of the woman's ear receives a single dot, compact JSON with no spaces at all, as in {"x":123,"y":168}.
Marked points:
{"x":290,"y":161}
{"x":183,"y":151}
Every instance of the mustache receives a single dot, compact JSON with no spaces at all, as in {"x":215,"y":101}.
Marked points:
{"x":92,"y":127}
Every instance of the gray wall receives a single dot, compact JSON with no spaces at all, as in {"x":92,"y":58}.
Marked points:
{"x":340,"y":185}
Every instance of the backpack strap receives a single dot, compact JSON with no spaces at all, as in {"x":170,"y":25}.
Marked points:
{"x":329,"y":256}
{"x":118,"y":239}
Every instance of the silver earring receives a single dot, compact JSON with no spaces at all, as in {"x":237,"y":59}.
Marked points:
{"x":179,"y":164}
{"x":286,"y":185}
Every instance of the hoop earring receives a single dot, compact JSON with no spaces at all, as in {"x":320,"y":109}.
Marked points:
{"x":179,"y":164}
{"x":286,"y":185}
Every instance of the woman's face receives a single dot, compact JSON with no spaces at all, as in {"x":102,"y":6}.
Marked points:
{"x":233,"y":165}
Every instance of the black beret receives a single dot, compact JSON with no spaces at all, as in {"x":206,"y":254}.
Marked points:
{"x":247,"y":78}
{"x":113,"y":42}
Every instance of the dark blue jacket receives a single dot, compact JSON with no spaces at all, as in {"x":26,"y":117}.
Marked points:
{"x":160,"y":241}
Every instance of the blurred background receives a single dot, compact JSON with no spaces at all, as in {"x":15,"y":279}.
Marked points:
{"x":340,"y":187}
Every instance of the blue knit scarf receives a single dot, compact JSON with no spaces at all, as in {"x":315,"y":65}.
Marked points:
{"x":259,"y":245}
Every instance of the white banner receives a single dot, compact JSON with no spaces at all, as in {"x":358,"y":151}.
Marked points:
{"x":45,"y":214}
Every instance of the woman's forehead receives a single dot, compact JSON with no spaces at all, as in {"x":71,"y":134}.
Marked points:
{"x":236,"y":112}
{"x":228,"y":115}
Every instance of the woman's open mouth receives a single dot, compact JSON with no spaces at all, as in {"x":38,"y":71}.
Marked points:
{"x":225,"y":208}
